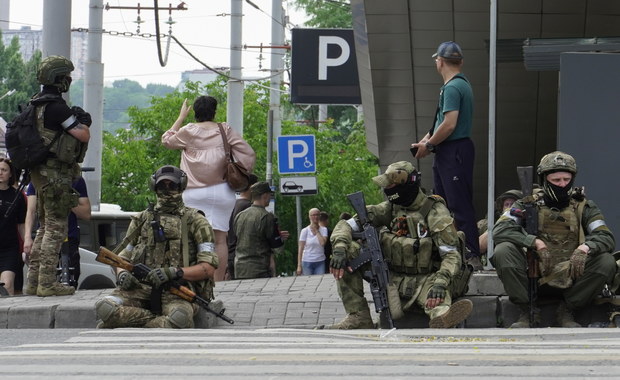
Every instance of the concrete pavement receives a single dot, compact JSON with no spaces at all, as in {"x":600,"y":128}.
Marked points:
{"x":293,"y":302}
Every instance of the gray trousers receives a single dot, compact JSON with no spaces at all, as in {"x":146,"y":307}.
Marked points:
{"x":511,"y":265}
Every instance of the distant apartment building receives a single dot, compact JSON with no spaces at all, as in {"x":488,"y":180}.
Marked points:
{"x":31,"y":40}
{"x":202,"y":75}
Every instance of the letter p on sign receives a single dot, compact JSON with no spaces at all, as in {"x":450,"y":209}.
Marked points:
{"x":324,"y":61}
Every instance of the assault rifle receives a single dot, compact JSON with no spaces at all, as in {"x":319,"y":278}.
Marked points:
{"x":140,"y":271}
{"x":378,"y":275}
{"x":530,"y":214}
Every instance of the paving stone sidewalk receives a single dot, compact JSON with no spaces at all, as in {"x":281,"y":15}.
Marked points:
{"x":297,"y":302}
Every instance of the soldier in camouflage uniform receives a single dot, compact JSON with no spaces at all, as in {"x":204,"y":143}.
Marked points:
{"x":573,"y":244}
{"x":420,"y":245}
{"x":68,"y":129}
{"x":258,"y":236}
{"x":181,"y":249}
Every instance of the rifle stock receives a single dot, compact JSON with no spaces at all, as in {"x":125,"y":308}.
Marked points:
{"x":378,"y":275}
{"x":525,"y":174}
{"x":140,"y":271}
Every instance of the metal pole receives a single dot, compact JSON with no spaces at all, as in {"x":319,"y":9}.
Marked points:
{"x":491,"y":157}
{"x":298,"y":211}
{"x":234,"y":107}
{"x":277,"y":63}
{"x":93,"y":101}
{"x":57,"y":28}
{"x":269,"y":169}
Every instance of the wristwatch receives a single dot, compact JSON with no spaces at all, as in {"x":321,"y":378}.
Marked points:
{"x":180,"y":273}
{"x":430,"y":147}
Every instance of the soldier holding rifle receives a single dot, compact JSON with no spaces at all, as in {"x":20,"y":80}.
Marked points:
{"x":421,"y":248}
{"x":571,"y":243}
{"x":176,"y":243}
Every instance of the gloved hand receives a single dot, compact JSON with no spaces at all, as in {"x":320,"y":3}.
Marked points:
{"x":126,"y":281}
{"x":339,"y":258}
{"x":436,"y":295}
{"x":82,"y":116}
{"x":545,"y":261}
{"x":577,"y":263}
{"x":158,"y":277}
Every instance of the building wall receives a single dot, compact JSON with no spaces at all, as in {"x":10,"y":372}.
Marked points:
{"x":400,"y":74}
{"x":32,"y":40}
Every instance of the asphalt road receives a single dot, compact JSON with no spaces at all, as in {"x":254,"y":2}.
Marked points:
{"x":301,"y":354}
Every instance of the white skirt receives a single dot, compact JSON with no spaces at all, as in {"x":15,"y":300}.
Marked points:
{"x":217,"y":202}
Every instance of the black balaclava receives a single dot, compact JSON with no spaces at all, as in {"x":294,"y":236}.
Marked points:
{"x":556,"y":196}
{"x":404,"y":194}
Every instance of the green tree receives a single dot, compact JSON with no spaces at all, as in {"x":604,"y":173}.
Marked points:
{"x":344,"y":165}
{"x":15,"y":74}
{"x":326,"y":13}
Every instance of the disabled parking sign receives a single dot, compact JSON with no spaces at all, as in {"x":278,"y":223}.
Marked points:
{"x":296,"y":154}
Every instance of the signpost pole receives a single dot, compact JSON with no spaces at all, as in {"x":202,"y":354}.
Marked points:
{"x":298,"y":209}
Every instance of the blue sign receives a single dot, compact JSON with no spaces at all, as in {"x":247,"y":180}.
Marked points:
{"x":296,"y":154}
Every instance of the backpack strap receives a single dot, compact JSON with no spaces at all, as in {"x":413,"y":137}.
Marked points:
{"x":185,"y":239}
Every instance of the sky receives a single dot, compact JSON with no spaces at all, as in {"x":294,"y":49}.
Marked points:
{"x":204,"y":29}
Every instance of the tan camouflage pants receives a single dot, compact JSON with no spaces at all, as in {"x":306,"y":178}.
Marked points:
{"x":55,"y":198}
{"x":412,"y":289}
{"x":135,"y":311}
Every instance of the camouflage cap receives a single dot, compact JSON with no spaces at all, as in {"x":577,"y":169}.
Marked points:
{"x":260,"y":188}
{"x":397,"y":173}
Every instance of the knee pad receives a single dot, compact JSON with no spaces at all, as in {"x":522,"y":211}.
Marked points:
{"x":181,"y":319}
{"x":106,"y":306}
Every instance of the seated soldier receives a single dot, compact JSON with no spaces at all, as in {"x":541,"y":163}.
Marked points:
{"x":502,"y":203}
{"x":177,"y":243}
{"x":573,"y":244}
{"x":420,"y":244}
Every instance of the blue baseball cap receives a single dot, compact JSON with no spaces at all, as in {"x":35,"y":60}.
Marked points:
{"x":449,"y":50}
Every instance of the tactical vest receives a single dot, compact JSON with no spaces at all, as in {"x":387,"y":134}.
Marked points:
{"x":169,"y":252}
{"x":560,"y":230}
{"x":407,"y":244}
{"x":65,"y":148}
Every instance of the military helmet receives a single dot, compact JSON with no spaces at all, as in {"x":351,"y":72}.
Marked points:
{"x":171,"y":173}
{"x":556,"y":162}
{"x":52,"y":67}
{"x":514,"y":194}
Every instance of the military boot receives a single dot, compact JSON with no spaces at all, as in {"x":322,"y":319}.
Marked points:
{"x":56,"y":289}
{"x":456,"y":314}
{"x":524,"y":318}
{"x":32,"y":282}
{"x":357,"y":320}
{"x":31,"y":289}
{"x":564,"y":316}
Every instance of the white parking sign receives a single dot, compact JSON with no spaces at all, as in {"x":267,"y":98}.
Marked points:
{"x":296,"y":154}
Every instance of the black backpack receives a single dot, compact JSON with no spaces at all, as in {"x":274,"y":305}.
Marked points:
{"x":24,"y":143}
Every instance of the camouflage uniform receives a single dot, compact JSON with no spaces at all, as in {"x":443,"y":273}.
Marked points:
{"x":134,"y":309}
{"x":559,"y":229}
{"x":437,"y":261}
{"x":567,"y":222}
{"x":53,"y":179}
{"x":253,"y":253}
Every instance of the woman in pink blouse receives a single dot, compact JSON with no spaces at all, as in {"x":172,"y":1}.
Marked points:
{"x":204,"y":161}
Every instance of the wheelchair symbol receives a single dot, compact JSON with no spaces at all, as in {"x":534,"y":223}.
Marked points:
{"x":307,"y":164}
